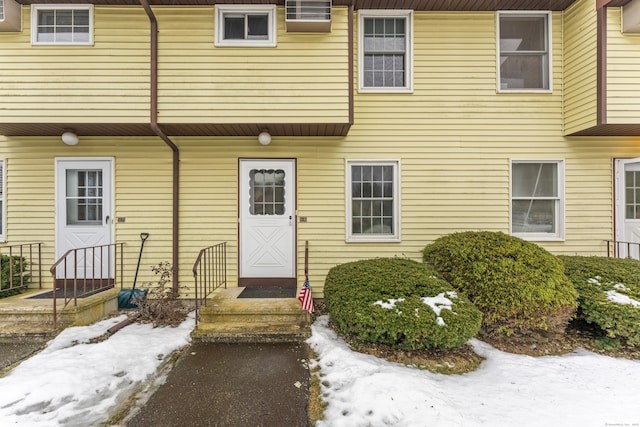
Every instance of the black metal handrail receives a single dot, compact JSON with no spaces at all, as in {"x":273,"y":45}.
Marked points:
{"x":620,"y":249}
{"x":209,"y":273}
{"x":23,"y":255}
{"x":73,"y":274}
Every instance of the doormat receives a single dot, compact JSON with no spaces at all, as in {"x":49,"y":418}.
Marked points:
{"x":60,"y":293}
{"x":268,"y":292}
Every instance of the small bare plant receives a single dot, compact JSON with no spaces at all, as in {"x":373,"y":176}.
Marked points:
{"x":162,"y":307}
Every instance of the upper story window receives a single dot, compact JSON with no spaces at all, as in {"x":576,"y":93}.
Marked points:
{"x":524,"y":54}
{"x":537,"y":202}
{"x":373,"y":201}
{"x":62,"y":24}
{"x":385,"y":53}
{"x":245,"y":25}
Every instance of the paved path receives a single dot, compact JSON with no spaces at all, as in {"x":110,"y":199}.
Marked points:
{"x":232,"y":385}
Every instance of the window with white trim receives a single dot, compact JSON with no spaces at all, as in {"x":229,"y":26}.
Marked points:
{"x":385,"y":53}
{"x":524,"y":56}
{"x":63,"y":24}
{"x":3,"y":221}
{"x":373,"y":200}
{"x":537,"y":199}
{"x":245,"y":25}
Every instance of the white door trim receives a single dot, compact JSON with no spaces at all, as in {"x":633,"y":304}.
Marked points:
{"x":58,"y":162}
{"x":253,"y":262}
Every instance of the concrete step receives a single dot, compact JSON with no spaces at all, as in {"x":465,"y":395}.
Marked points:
{"x":227,"y":318}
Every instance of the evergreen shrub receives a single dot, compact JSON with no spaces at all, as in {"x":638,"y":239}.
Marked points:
{"x":609,"y":295}
{"x":389,"y":301}
{"x":519,"y":287}
{"x":13,"y":274}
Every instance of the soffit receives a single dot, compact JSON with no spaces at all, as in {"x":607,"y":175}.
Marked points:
{"x":429,"y":5}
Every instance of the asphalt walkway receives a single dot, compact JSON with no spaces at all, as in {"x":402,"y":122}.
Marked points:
{"x":232,"y":385}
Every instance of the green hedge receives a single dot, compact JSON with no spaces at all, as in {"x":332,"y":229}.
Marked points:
{"x":13,"y":267}
{"x":381,"y":301}
{"x":598,"y":278}
{"x":519,"y":287}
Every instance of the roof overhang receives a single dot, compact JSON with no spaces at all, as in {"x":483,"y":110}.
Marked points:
{"x":434,"y":5}
{"x":175,"y":129}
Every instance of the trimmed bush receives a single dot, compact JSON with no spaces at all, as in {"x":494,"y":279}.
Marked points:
{"x":609,"y":294}
{"x":17,"y":268}
{"x":400,"y":303}
{"x":519,"y":287}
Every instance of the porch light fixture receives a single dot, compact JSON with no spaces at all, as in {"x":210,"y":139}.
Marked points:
{"x":264,"y":138}
{"x":70,"y":137}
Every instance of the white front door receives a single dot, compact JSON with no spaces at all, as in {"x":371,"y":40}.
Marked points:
{"x":628,"y":206}
{"x":267,"y":218}
{"x":83,"y":212}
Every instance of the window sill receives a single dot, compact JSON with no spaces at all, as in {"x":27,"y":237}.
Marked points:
{"x":394,"y":239}
{"x":528,"y":91}
{"x":538,"y":237}
{"x":244,"y":43}
{"x":385,"y":90}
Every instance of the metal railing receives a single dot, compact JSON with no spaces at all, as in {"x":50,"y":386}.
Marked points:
{"x":209,"y":273}
{"x":84,"y":271}
{"x":21,"y":267}
{"x":619,"y":249}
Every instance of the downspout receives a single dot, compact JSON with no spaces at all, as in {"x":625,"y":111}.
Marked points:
{"x":156,"y":129}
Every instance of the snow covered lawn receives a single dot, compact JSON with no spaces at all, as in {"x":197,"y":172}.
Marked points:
{"x":580,"y":389}
{"x":75,"y":383}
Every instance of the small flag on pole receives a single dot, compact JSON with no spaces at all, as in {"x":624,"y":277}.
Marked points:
{"x":305,"y":297}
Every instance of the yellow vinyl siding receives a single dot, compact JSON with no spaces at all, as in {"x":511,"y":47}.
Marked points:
{"x":580,"y":66}
{"x":302,"y":80}
{"x":107,"y":82}
{"x":623,"y":72}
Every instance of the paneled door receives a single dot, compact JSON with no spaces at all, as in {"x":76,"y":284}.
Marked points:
{"x":267,"y":219}
{"x":628,"y":206}
{"x":83,"y":212}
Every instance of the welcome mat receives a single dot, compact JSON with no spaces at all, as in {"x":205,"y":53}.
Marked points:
{"x":268,"y":292}
{"x":60,"y":293}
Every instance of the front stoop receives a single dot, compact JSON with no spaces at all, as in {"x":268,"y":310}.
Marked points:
{"x":21,"y":316}
{"x":227,"y":318}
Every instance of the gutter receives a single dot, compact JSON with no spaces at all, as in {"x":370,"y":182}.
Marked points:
{"x":156,"y":129}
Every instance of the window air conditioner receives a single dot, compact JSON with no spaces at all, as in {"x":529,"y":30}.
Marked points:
{"x":9,"y":16}
{"x":308,"y":15}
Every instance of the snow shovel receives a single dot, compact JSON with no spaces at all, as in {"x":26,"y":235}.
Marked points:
{"x":129,"y":298}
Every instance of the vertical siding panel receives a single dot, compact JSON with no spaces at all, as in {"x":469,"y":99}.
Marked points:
{"x":623,"y":68}
{"x":106,"y":82}
{"x":580,"y":66}
{"x":304,"y":79}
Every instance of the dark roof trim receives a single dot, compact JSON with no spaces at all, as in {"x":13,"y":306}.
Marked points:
{"x":176,"y":129}
{"x":427,"y":5}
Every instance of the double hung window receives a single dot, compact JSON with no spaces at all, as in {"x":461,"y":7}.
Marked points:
{"x":537,"y":205}
{"x":61,"y":24}
{"x":242,"y":25}
{"x":385,"y":51}
{"x":524,"y":58}
{"x":372,"y":201}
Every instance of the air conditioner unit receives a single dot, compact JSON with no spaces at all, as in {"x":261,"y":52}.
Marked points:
{"x":9,"y":16}
{"x":631,"y":17}
{"x":308,"y":15}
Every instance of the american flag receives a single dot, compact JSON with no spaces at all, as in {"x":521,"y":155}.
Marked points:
{"x":305,"y":297}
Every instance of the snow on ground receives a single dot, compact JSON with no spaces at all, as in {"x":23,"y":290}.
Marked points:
{"x":580,"y":389}
{"x":75,"y":383}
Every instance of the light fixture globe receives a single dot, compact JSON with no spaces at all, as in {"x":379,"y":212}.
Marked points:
{"x":69,"y":137}
{"x":264,"y":138}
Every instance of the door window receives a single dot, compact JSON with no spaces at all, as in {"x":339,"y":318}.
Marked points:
{"x":632,"y":191}
{"x":266,"y":192}
{"x":84,"y":197}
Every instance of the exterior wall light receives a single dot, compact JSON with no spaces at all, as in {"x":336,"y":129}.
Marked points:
{"x":69,"y":137}
{"x":264,"y":138}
